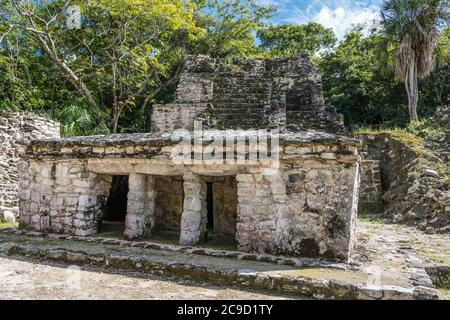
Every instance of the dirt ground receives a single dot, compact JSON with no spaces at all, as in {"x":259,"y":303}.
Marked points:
{"x":433,"y":249}
{"x":29,"y":279}
{"x":382,"y":244}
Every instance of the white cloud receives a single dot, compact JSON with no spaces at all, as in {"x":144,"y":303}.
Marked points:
{"x":341,"y":20}
{"x":339,"y":15}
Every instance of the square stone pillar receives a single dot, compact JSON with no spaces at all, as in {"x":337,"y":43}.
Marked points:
{"x":139,"y":220}
{"x":194,"y":217}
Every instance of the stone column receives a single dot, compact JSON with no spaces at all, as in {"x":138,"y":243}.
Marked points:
{"x":141,"y":206}
{"x":194,"y":217}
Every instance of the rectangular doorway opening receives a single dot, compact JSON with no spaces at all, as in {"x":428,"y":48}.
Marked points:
{"x":221,"y":211}
{"x":115,"y":208}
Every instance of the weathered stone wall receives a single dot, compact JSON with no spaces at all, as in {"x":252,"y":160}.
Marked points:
{"x":104,"y":183}
{"x":414,"y":191}
{"x":169,"y":203}
{"x":249,"y":93}
{"x":301,"y":211}
{"x":168,"y":117}
{"x":225,"y":200}
{"x":59,"y":196}
{"x":371,"y":193}
{"x":14,"y":128}
{"x":308,"y":207}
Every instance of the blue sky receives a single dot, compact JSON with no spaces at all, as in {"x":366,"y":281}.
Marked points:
{"x":337,"y":14}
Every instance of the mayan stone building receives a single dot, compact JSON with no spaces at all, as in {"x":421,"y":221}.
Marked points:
{"x":16,"y":127}
{"x":291,"y":190}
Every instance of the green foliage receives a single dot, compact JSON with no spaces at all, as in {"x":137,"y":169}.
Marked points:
{"x":6,"y":225}
{"x":413,"y":26}
{"x":291,"y":40}
{"x":129,"y":55}
{"x":355,"y":84}
{"x":230,"y":27}
{"x":358,"y":83}
{"x":80,"y":121}
{"x":435,"y":90}
{"x":426,"y":129}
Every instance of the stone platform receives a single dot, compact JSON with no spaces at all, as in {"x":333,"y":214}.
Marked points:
{"x":296,"y":277}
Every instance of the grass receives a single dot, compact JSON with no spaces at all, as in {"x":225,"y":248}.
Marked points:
{"x":437,"y":255}
{"x":410,"y":140}
{"x":444,"y":294}
{"x":372,"y":219}
{"x":5,"y":225}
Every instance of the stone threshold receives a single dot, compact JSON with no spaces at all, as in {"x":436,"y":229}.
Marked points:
{"x":97,"y":253}
{"x":230,"y":254}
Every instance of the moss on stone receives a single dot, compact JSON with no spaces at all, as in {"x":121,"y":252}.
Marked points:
{"x":444,"y":294}
{"x":6,"y":225}
{"x":410,"y":140}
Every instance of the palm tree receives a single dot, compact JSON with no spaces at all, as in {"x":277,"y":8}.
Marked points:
{"x":414,"y":26}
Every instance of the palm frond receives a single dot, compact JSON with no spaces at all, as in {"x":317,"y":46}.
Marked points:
{"x":414,"y":26}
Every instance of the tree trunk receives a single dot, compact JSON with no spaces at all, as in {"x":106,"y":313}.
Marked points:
{"x":116,"y":116}
{"x":71,"y":76}
{"x":412,"y":89}
{"x":439,"y":100}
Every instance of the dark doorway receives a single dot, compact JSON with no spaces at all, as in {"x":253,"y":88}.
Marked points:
{"x":210,"y":206}
{"x":116,"y":205}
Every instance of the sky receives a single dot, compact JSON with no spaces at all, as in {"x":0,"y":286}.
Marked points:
{"x":339,"y":15}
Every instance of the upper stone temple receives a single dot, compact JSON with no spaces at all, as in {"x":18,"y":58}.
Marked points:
{"x":284,"y":93}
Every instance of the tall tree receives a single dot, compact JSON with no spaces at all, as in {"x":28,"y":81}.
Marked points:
{"x":355,"y":85}
{"x":290,"y":40}
{"x":117,"y":55}
{"x":231,"y":26}
{"x":414,"y":26}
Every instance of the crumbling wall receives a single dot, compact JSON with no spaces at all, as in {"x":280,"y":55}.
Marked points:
{"x":14,"y":128}
{"x":301,"y":211}
{"x":415,"y":190}
{"x":371,"y":191}
{"x":249,"y":94}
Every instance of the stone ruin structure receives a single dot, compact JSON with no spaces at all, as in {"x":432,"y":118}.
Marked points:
{"x":249,"y":94}
{"x":302,"y":201}
{"x":16,"y":127}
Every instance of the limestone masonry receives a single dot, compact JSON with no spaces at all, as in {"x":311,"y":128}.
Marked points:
{"x":16,"y":127}
{"x":249,"y":94}
{"x":307,"y":206}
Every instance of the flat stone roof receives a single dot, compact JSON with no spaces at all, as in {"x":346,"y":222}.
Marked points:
{"x":165,"y":139}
